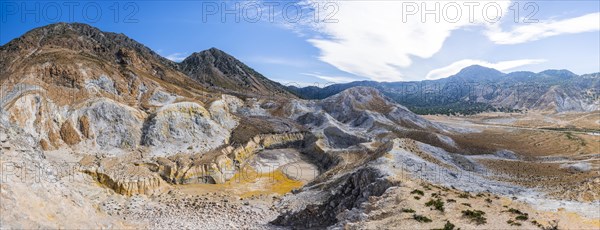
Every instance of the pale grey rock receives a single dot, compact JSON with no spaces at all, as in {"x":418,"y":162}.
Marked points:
{"x":578,"y":167}
{"x":114,"y":125}
{"x":221,"y":111}
{"x":102,"y":83}
{"x":161,"y":98}
{"x":183,"y":127}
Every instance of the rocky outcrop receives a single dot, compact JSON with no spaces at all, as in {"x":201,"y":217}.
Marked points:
{"x":347,"y":192}
{"x":128,"y":175}
{"x":39,"y":191}
{"x":113,"y":125}
{"x":220,"y":165}
{"x":69,"y":134}
{"x":361,"y":115}
{"x":106,"y":125}
{"x":133,"y":184}
{"x":221,"y":111}
{"x":183,"y":126}
{"x":123,"y":176}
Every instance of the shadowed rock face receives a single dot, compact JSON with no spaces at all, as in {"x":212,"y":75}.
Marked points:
{"x":339,"y":139}
{"x":351,"y":190}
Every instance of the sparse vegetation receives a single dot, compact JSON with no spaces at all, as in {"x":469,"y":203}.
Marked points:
{"x":522,"y":217}
{"x":465,"y":195}
{"x":515,"y":211}
{"x":475,"y":216}
{"x":408,"y":210}
{"x":534,"y":222}
{"x":571,"y":137}
{"x":418,"y":192}
{"x":417,"y":197}
{"x":466,"y":204}
{"x":426,"y":187}
{"x":422,"y":219}
{"x":513,"y":223}
{"x":451,"y":200}
{"x":488,"y":200}
{"x":438,"y":204}
{"x":455,"y":108}
{"x":447,"y":226}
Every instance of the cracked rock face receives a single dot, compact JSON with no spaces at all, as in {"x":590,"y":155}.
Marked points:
{"x":347,"y":192}
{"x":185,"y":126}
{"x":114,"y":125}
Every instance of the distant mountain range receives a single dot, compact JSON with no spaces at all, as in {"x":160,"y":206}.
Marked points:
{"x":478,"y":89}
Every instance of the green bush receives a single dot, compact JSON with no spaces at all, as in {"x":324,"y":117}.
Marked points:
{"x":408,"y":210}
{"x":447,"y":226}
{"x":418,"y":192}
{"x":476,"y":216}
{"x":421,"y":218}
{"x":465,"y":195}
{"x":438,"y":204}
{"x":522,"y":217}
{"x":513,"y":223}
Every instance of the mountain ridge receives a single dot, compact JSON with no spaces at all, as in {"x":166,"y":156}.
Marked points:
{"x":479,"y":89}
{"x":216,"y":68}
{"x":210,"y":68}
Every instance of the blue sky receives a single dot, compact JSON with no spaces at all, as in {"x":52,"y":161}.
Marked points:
{"x":352,"y":40}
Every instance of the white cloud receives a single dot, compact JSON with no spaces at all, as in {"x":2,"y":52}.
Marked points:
{"x":371,"y":39}
{"x":176,"y":57}
{"x":536,"y":31}
{"x":378,"y":40}
{"x":334,"y":79}
{"x":455,"y":67}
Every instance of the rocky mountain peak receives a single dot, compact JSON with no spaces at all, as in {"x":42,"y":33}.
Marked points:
{"x":359,"y":99}
{"x":360,"y":92}
{"x":87,"y":61}
{"x":215,"y":67}
{"x":214,"y":56}
{"x":563,"y":73}
{"x":477,"y":73}
{"x":77,"y":38}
